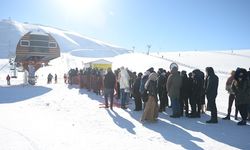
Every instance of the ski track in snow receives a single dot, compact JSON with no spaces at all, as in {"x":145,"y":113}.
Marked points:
{"x":32,"y":144}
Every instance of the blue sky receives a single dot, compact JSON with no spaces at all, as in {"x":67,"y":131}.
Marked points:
{"x":167,"y":25}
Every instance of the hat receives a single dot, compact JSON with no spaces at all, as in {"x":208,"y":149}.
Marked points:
{"x":173,"y":65}
{"x":151,"y":70}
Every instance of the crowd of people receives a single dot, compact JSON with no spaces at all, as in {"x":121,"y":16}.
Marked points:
{"x":153,"y":91}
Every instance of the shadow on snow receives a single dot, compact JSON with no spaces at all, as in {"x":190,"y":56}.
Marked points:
{"x":12,"y":94}
{"x":175,"y":130}
{"x":121,"y":122}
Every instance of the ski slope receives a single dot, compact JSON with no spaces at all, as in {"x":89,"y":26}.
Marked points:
{"x":58,"y":116}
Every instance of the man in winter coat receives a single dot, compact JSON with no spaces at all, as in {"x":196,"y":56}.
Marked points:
{"x":241,"y":88}
{"x":109,"y":85}
{"x":173,"y":87}
{"x":231,"y":97}
{"x":211,"y":93}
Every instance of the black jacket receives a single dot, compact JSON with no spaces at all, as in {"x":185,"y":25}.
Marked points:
{"x":185,"y":87}
{"x":109,"y":80}
{"x":152,"y":89}
{"x":136,"y":86}
{"x":212,"y":83}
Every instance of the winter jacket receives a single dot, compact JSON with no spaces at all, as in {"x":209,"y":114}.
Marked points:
{"x":242,"y":91}
{"x":161,"y":83}
{"x":8,"y":78}
{"x":136,"y":86}
{"x":185,"y":87}
{"x":109,"y":80}
{"x":229,"y":84}
{"x":197,"y":85}
{"x":151,"y":85}
{"x":123,"y":78}
{"x":212,"y":84}
{"x":174,"y":84}
{"x":143,"y":81}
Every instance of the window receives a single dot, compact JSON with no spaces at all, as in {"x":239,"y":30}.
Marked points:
{"x":39,"y":43}
{"x":39,"y":37}
{"x":25,"y":43}
{"x":52,"y":45}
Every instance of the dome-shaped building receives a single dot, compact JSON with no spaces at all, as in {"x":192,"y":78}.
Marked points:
{"x":35,"y":49}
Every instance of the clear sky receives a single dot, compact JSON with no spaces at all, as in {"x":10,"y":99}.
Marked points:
{"x":166,"y":25}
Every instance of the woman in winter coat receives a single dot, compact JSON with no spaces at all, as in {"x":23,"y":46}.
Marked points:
{"x":150,"y":112}
{"x":241,"y":88}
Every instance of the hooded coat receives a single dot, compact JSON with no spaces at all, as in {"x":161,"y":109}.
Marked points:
{"x":174,"y":84}
{"x":241,"y":88}
{"x":150,"y":112}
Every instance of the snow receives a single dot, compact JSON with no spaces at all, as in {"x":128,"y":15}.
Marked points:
{"x":59,"y":116}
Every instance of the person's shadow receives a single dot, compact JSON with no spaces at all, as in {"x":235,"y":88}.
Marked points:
{"x":16,"y":93}
{"x":170,"y":132}
{"x":121,"y":122}
{"x":225,"y":131}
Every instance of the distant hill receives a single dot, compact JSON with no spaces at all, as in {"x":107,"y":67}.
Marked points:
{"x":76,"y":44}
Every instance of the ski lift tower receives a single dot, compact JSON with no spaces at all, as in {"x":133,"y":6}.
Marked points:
{"x":149,"y":46}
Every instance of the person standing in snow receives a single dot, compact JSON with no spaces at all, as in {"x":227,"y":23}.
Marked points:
{"x":197,"y":88}
{"x":211,"y":93}
{"x":173,"y":87}
{"x":150,"y":112}
{"x":65,"y":78}
{"x":55,"y":78}
{"x":184,"y":92}
{"x":231,"y":97}
{"x":241,"y":88}
{"x":109,"y":86}
{"x":136,"y":93}
{"x":143,"y":91}
{"x":49,"y":78}
{"x":161,"y":88}
{"x":8,"y":79}
{"x":123,"y":78}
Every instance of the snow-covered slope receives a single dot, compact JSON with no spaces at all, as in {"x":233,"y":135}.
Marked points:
{"x":58,"y":116}
{"x":11,"y":31}
{"x":222,"y":61}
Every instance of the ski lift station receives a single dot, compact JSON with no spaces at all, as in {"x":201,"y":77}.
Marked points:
{"x":35,"y":49}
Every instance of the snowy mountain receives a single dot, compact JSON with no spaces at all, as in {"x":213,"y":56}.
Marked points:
{"x":71,"y":42}
{"x":64,"y":117}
